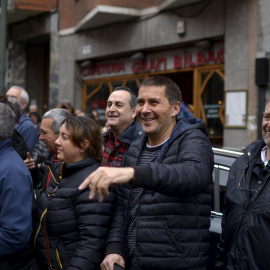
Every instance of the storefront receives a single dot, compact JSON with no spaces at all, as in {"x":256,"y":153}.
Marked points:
{"x":198,"y":71}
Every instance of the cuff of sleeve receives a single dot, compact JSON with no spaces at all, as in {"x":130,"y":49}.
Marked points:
{"x":142,"y":174}
{"x":114,"y":248}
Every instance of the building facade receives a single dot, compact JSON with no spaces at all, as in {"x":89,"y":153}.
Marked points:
{"x":216,"y":50}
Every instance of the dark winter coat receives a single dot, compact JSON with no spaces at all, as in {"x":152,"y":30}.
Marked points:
{"x":27,"y":129}
{"x":174,"y":209}
{"x":20,"y":145}
{"x":16,"y":191}
{"x":40,"y":153}
{"x":246,"y":222}
{"x":77,"y":227}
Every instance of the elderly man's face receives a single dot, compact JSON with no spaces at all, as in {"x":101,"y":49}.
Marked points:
{"x":47,"y":135}
{"x":14,"y":92}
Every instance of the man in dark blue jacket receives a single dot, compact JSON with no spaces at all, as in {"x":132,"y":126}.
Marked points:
{"x":24,"y":126}
{"x":16,"y":193}
{"x":163,"y":219}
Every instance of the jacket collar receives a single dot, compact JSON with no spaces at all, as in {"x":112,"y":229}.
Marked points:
{"x":5,"y":144}
{"x":71,"y":168}
{"x":130,"y":134}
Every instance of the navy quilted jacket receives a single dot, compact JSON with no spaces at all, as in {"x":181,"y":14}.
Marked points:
{"x":174,"y":210}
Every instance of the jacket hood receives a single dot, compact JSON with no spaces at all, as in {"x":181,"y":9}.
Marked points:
{"x":185,"y":124}
{"x":181,"y":127}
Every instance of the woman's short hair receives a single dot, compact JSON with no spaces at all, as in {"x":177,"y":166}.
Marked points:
{"x":83,"y":128}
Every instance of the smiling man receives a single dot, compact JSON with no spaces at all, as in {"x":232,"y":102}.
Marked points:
{"x":163,"y":218}
{"x":124,"y":129}
{"x":245,"y":234}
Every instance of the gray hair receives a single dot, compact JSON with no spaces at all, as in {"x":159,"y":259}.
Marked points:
{"x":58,"y":116}
{"x":17,"y":108}
{"x":7,"y":121}
{"x":24,"y":94}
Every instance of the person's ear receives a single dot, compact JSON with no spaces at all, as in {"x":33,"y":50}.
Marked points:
{"x":133,"y":112}
{"x":24,"y":105}
{"x":85,"y":144}
{"x":176,"y":108}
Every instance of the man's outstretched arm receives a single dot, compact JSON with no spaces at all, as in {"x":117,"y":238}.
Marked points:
{"x":100,"y":180}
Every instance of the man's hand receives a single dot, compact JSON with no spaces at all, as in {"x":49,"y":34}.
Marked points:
{"x":100,"y":180}
{"x":29,"y":162}
{"x":110,"y":260}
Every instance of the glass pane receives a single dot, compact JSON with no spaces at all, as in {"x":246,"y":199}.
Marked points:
{"x":99,"y":100}
{"x":115,"y":84}
{"x":212,"y":99}
{"x":132,"y":84}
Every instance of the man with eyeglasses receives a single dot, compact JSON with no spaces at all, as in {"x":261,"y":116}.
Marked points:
{"x":245,"y":238}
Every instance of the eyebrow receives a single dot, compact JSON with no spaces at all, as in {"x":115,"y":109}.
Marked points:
{"x":116,"y":102}
{"x":150,"y":99}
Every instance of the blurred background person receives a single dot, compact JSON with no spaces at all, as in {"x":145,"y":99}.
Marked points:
{"x":36,"y":120}
{"x":185,"y":111}
{"x":66,"y":106}
{"x":77,"y":227}
{"x":32,"y":108}
{"x":25,"y":125}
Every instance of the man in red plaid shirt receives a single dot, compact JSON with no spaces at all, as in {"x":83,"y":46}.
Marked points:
{"x":120,"y":113}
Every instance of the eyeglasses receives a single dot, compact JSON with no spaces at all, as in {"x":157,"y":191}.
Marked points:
{"x":248,"y":189}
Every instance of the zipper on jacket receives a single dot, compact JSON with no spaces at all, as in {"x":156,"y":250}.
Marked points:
{"x":58,"y":259}
{"x":127,"y":226}
{"x":39,"y":227}
{"x":53,"y":175}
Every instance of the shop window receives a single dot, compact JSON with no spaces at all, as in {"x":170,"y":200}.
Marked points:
{"x":212,"y":99}
{"x":210,"y":102}
{"x":96,"y":99}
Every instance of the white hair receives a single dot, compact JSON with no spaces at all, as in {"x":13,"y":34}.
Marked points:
{"x":24,"y":94}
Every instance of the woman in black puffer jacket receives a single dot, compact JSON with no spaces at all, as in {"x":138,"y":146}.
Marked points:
{"x":77,"y":227}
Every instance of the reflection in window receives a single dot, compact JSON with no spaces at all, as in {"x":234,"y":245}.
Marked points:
{"x":132,"y":84}
{"x":98,"y":99}
{"x":212,"y":99}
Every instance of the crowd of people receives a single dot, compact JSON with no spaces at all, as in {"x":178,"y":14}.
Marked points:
{"x":136,"y":196}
